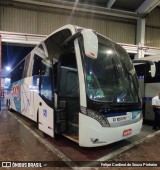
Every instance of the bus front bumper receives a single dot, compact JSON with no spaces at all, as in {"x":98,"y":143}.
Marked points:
{"x":92,"y":134}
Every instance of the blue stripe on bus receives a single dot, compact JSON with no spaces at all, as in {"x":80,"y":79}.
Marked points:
{"x":134,"y":114}
{"x":115,"y":114}
{"x":147,"y":98}
{"x":140,"y":77}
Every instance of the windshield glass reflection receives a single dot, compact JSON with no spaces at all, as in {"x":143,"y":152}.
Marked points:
{"x":111,"y":77}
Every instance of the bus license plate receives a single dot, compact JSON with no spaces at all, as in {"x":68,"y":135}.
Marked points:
{"x":127,"y":132}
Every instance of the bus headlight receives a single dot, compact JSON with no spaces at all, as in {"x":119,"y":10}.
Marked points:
{"x":95,"y":115}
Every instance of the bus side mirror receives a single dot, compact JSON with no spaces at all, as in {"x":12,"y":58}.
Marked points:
{"x":90,"y":41}
{"x":153,"y":70}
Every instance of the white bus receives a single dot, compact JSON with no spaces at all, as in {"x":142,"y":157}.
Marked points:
{"x":80,"y":84}
{"x":147,"y":70}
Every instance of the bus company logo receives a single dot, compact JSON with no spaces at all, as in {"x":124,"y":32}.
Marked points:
{"x":135,"y":114}
{"x":15,"y":90}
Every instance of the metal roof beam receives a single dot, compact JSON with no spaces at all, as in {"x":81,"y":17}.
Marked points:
{"x":147,"y":6}
{"x":83,"y":8}
{"x":20,"y":38}
{"x":35,"y":39}
{"x":110,"y":3}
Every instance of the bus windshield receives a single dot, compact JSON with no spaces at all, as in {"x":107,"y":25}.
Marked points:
{"x":111,"y":77}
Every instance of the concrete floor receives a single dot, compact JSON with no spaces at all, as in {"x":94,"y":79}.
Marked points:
{"x":21,"y":141}
{"x":18,"y":144}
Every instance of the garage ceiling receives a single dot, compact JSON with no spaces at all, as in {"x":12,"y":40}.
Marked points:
{"x":120,"y":8}
{"x":130,"y":9}
{"x":136,"y":6}
{"x":127,"y":5}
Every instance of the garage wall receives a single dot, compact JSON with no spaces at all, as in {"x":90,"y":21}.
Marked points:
{"x":152,"y":36}
{"x":38,"y":20}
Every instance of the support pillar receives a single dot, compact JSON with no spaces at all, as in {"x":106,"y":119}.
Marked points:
{"x":140,"y":37}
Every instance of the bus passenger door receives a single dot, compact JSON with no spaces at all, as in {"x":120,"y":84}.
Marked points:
{"x":68,"y":94}
{"x":45,"y":116}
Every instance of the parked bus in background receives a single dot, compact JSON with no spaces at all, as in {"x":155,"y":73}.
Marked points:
{"x":148,"y":73}
{"x":80,"y":84}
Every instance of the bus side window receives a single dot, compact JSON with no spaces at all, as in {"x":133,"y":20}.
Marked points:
{"x":36,"y":65}
{"x":36,"y":70}
{"x":46,"y":82}
{"x":16,"y":74}
{"x":26,"y":65}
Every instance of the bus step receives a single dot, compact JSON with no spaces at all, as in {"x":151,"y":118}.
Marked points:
{"x":71,"y":136}
{"x":73,"y":124}
{"x":60,"y":127}
{"x":72,"y":127}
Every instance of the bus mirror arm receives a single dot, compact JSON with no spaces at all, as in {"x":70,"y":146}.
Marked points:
{"x":140,"y":61}
{"x":148,"y":62}
{"x":90,"y":42}
{"x":72,"y":38}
